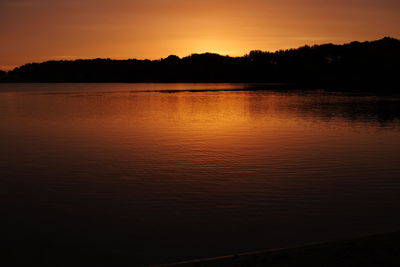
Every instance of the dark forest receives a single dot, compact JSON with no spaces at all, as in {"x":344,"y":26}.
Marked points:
{"x":362,"y":64}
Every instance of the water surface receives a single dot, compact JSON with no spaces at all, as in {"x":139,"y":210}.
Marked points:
{"x":156,"y":173}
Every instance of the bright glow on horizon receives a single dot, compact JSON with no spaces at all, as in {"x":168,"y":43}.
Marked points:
{"x":39,"y":30}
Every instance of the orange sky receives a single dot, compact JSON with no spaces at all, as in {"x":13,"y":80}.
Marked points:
{"x":38,"y":30}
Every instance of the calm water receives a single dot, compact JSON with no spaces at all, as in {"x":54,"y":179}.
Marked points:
{"x":129,"y":173}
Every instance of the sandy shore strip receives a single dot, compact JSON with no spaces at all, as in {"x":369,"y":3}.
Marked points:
{"x":374,"y":250}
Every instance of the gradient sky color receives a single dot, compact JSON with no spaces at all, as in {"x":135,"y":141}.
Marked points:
{"x":39,"y":30}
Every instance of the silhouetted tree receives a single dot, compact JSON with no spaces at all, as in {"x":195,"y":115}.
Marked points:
{"x":2,"y":74}
{"x":357,"y":64}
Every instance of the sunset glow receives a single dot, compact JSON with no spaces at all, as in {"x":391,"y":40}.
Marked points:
{"x":39,"y":30}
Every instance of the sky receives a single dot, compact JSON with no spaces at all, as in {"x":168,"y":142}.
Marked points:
{"x":40,"y":30}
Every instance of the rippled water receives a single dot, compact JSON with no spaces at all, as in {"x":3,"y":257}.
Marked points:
{"x":157,"y":173}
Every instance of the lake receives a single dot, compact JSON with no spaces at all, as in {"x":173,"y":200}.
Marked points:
{"x":137,"y":174}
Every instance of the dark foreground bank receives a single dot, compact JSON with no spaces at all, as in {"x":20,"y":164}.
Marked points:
{"x":376,"y":250}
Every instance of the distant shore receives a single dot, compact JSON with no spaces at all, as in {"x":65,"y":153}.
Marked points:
{"x":358,"y":65}
{"x":375,"y":250}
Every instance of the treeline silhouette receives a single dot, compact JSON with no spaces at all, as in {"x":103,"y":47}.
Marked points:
{"x":375,"y":63}
{"x":3,"y":74}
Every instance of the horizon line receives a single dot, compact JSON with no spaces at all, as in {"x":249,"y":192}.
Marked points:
{"x":73,"y":58}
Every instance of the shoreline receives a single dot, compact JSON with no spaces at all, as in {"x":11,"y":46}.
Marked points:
{"x":372,"y":250}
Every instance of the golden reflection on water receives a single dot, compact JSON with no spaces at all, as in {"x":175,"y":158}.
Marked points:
{"x":255,"y":169}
